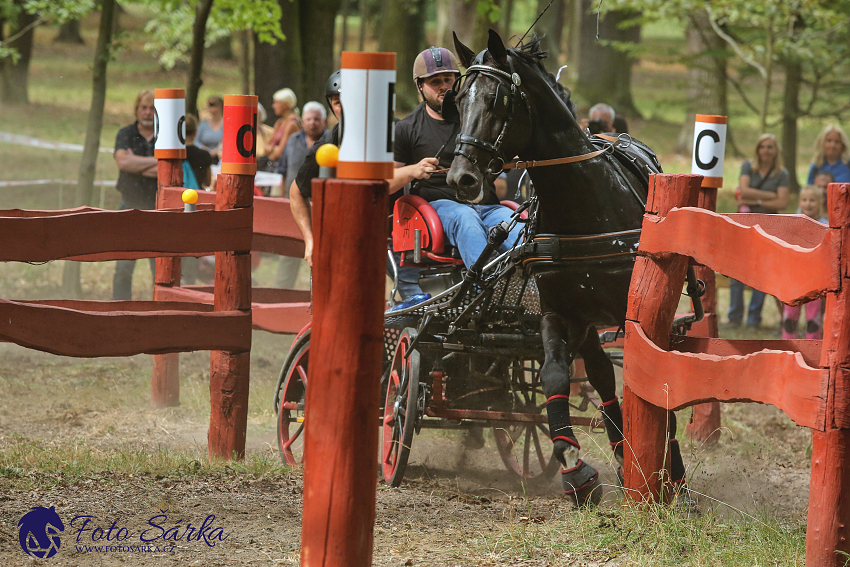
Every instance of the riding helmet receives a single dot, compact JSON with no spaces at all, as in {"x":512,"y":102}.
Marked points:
{"x":433,"y":61}
{"x":332,"y":87}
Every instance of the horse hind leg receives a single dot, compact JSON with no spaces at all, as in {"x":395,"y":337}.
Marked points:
{"x":580,"y":480}
{"x":600,"y":374}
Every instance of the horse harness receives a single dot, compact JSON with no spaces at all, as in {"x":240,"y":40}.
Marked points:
{"x":551,"y":248}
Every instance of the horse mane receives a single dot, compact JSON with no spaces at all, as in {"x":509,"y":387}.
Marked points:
{"x":530,"y":53}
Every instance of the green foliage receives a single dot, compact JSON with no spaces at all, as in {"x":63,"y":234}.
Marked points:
{"x":53,"y":12}
{"x":489,"y":9}
{"x":171,"y":25}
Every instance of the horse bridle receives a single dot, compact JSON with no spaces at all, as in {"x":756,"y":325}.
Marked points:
{"x":503,"y":105}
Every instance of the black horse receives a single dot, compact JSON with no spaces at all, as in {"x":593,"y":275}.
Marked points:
{"x":588,"y":220}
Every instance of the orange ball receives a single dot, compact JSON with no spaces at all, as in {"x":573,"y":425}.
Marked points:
{"x":327,"y":155}
{"x":190,"y":196}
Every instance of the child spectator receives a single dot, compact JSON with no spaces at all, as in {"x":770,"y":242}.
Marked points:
{"x":763,"y":187}
{"x":832,"y":153}
{"x":811,"y":204}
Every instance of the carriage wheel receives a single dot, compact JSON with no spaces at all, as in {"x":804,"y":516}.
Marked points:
{"x":400,"y":409}
{"x":290,"y":419}
{"x":526,"y":448}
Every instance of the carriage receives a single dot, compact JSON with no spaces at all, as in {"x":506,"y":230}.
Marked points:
{"x":467,"y":358}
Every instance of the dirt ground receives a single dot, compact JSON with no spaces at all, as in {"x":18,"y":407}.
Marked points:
{"x":452,"y":498}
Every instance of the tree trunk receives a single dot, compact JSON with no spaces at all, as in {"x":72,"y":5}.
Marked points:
{"x":15,"y":76}
{"x":343,"y":39}
{"x":551,"y":27}
{"x":69,"y":32}
{"x":790,"y":113}
{"x":507,"y":17}
{"x":279,"y":65}
{"x":364,"y":18}
{"x":403,"y":31}
{"x":444,"y":28}
{"x":94,"y":127}
{"x":245,"y":41}
{"x":196,"y":61}
{"x":317,"y":47}
{"x":605,"y":73}
{"x":706,"y":77}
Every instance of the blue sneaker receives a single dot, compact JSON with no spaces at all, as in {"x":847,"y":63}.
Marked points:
{"x":411,"y":301}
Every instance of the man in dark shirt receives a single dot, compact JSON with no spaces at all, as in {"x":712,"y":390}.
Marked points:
{"x":134,"y":146}
{"x":424,"y":142}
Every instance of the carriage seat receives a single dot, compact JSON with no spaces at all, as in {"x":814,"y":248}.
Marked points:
{"x":412,"y":212}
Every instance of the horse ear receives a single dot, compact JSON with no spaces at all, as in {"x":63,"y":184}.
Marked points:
{"x":465,"y":54}
{"x":497,"y":48}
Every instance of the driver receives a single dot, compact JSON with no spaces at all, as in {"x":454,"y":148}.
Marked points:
{"x":424,"y":145}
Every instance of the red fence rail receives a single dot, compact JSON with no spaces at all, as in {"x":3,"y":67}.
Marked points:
{"x":789,"y":256}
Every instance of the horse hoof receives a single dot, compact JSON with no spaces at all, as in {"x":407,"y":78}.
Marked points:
{"x":581,"y":484}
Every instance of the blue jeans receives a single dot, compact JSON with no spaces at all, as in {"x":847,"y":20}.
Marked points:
{"x":736,"y":304}
{"x":122,"y":281}
{"x":466,"y":226}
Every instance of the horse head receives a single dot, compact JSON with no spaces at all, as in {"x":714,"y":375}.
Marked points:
{"x":495,"y":117}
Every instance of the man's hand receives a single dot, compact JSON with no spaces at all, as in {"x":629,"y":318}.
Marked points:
{"x":308,"y":251}
{"x":424,"y":168}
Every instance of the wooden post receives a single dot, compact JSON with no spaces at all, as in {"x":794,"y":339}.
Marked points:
{"x":341,"y":435}
{"x":705,"y":419}
{"x":653,"y":298}
{"x":165,"y":383}
{"x":829,"y":488}
{"x":230,"y":371}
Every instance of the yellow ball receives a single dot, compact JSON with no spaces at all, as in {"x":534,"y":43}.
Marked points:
{"x":190,"y":196}
{"x":327,"y":155}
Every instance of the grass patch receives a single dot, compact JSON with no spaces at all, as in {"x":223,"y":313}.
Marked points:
{"x":31,"y":463}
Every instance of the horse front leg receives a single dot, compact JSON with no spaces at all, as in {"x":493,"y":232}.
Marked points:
{"x":580,"y":480}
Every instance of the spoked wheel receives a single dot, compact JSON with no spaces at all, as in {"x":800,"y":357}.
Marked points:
{"x":400,"y":409}
{"x":290,"y":419}
{"x":526,"y":448}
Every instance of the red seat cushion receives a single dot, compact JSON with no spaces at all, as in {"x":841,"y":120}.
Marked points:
{"x":411,"y":212}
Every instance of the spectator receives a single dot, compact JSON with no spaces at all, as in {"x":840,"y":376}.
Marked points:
{"x":601,"y":119}
{"x":832,"y":153}
{"x":811,"y":204}
{"x":211,"y":130}
{"x":137,"y":179}
{"x":264,"y":138}
{"x":764,"y":188}
{"x":314,"y":120}
{"x":286,"y":125}
{"x":198,"y":160}
{"x":620,"y":126}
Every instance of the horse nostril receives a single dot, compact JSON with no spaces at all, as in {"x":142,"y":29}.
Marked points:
{"x":468,"y":180}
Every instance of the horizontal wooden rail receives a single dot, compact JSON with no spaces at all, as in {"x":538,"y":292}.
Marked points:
{"x":275,"y":230}
{"x":94,"y":329}
{"x":790,"y":271}
{"x":282,"y":311}
{"x":95,"y":235}
{"x":675,"y":379}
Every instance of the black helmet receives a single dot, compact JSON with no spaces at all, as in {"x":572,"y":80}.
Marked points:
{"x":332,"y":88}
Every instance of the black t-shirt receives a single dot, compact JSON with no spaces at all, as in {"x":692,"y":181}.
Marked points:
{"x":419,"y":136}
{"x":310,"y":169}
{"x":200,"y":160}
{"x":136,"y":190}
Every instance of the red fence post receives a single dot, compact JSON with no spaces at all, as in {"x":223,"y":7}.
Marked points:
{"x":344,"y":382}
{"x":165,"y":382}
{"x":230,"y":371}
{"x":829,"y":488}
{"x":705,"y":419}
{"x":653,"y":298}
